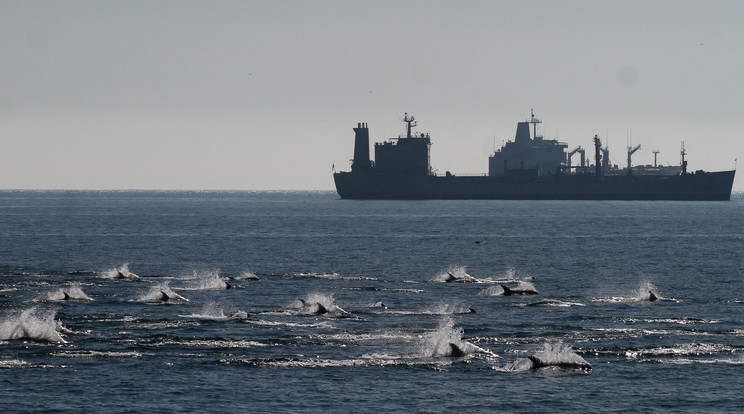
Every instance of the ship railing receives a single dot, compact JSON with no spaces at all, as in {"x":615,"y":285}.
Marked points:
{"x":436,"y":174}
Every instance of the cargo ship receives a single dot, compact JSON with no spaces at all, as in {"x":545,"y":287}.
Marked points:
{"x":528,"y":168}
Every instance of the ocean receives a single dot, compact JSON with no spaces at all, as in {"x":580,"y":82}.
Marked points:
{"x":135,"y":301}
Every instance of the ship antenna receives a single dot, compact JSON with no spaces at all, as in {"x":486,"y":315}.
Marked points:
{"x":410,"y":120}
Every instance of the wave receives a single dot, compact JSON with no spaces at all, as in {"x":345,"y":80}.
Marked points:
{"x":97,"y":354}
{"x":322,"y":362}
{"x":679,"y":321}
{"x":247,"y":275}
{"x":696,"y":349}
{"x":13,"y":363}
{"x":382,"y":289}
{"x":209,"y":343}
{"x":31,"y":324}
{"x":328,"y":276}
{"x":550,"y":303}
{"x":322,"y":324}
{"x":443,"y":309}
{"x":215,"y":311}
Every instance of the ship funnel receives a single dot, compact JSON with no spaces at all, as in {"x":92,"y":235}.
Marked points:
{"x":523,"y":133}
{"x":361,"y":148}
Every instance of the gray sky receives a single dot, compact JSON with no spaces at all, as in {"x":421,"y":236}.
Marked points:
{"x":264,"y":94}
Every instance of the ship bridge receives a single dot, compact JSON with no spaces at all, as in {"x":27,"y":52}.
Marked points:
{"x":409,"y":154}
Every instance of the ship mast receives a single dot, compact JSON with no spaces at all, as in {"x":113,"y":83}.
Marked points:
{"x":411,"y":123}
{"x":597,"y":156}
{"x":534,"y":121}
{"x":684,"y":162}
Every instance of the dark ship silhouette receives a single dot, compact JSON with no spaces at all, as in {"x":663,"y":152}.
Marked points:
{"x":528,"y":168}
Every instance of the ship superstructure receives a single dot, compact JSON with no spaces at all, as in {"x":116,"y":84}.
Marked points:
{"x":532,"y":153}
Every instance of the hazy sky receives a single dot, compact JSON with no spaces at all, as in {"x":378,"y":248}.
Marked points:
{"x":264,"y":94}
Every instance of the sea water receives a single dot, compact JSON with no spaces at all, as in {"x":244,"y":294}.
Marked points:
{"x":302,"y":302}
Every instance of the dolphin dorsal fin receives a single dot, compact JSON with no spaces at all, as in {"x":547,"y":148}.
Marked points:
{"x":455,"y":351}
{"x":321,"y":309}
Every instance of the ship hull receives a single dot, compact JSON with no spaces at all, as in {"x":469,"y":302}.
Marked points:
{"x":370,"y":185}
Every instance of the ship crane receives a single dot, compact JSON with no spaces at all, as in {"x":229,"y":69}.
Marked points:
{"x":582,"y":151}
{"x":570,"y":155}
{"x":632,"y":151}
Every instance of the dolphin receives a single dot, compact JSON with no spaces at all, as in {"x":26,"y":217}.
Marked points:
{"x":538,"y":363}
{"x":240,"y":315}
{"x":66,"y":296}
{"x":651,"y":297}
{"x":471,"y":310}
{"x":510,"y":292}
{"x":319,"y":308}
{"x":228,"y":286}
{"x":121,"y":276}
{"x":450,"y":277}
{"x":164,"y":296}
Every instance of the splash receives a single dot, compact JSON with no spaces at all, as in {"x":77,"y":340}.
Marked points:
{"x":210,"y":280}
{"x":454,"y":273}
{"x":647,"y":292}
{"x":247,"y":275}
{"x":31,"y":324}
{"x":522,"y":287}
{"x":121,"y":273}
{"x":161,"y":293}
{"x":447,"y":341}
{"x":512,"y":275}
{"x":552,"y":355}
{"x":319,"y":304}
{"x":447,"y":309}
{"x":73,"y":292}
